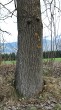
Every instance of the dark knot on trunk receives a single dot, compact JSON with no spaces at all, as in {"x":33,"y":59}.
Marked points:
{"x":29,"y":21}
{"x":38,"y":18}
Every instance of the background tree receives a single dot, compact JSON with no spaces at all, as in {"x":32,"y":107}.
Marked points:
{"x":28,"y":77}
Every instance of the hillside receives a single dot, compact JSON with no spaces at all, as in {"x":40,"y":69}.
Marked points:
{"x":9,"y":47}
{"x":12,"y":47}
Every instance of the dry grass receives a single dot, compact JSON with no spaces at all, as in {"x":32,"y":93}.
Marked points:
{"x":51,"y":89}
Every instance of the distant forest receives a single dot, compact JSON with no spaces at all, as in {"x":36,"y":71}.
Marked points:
{"x":48,"y":54}
{"x":53,"y":54}
{"x":11,"y":56}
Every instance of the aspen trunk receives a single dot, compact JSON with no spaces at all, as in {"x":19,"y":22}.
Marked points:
{"x":28,"y":76}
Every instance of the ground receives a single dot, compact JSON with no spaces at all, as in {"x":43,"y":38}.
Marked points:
{"x":48,"y":99}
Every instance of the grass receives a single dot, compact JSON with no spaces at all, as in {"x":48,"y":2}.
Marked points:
{"x":55,"y":59}
{"x":51,"y":93}
{"x":9,"y":62}
{"x":45,"y":59}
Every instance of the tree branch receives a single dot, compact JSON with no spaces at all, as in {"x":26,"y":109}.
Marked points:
{"x":8,"y":3}
{"x":8,"y":10}
{"x":5,"y":31}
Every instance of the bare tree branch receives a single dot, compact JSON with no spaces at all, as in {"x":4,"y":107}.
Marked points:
{"x":8,"y":10}
{"x":5,"y":31}
{"x":8,"y":3}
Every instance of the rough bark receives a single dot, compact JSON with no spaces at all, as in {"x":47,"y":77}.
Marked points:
{"x":28,"y":77}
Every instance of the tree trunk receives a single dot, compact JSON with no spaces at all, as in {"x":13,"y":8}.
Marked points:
{"x":28,"y":77}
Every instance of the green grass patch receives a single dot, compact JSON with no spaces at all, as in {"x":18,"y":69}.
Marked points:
{"x":45,"y":59}
{"x":57,"y":59}
{"x":49,"y":59}
{"x":8,"y":62}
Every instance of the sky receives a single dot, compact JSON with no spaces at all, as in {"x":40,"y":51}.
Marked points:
{"x":10,"y":24}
